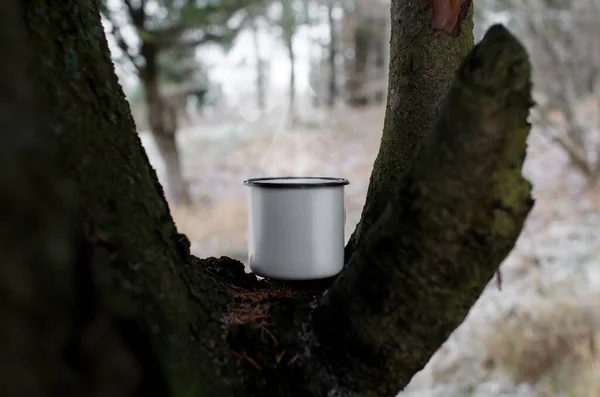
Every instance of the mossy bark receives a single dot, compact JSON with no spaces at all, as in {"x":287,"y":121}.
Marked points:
{"x":423,"y":62}
{"x":101,"y":296}
{"x":452,"y":220}
{"x":89,"y":118}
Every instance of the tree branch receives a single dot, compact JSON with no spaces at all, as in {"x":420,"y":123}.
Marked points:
{"x":455,"y":216}
{"x":424,"y":61}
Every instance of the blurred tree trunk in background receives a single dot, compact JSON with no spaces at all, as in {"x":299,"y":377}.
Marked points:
{"x":292,"y":87}
{"x":177,"y":28}
{"x":357,"y":77}
{"x":260,"y":73}
{"x":365,"y":32}
{"x":102,"y":298}
{"x":332,"y":92}
{"x":162,"y":119}
{"x":567,"y":72}
{"x":379,"y":64}
{"x":289,"y":24}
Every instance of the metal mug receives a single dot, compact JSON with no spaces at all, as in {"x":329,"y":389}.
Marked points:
{"x":296,"y":227}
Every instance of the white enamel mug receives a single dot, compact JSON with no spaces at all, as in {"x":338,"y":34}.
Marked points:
{"x":296,"y":227}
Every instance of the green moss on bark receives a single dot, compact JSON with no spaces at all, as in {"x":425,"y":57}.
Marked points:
{"x":453,"y":219}
{"x":423,"y":63}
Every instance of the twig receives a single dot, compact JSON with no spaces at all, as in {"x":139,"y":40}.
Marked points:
{"x":279,"y":357}
{"x":293,"y":359}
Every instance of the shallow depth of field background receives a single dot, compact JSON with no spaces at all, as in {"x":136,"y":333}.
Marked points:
{"x":534,"y":336}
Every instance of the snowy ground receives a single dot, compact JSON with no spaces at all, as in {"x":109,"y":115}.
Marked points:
{"x":535,"y":337}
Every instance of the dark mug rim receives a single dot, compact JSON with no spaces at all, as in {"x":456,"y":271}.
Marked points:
{"x":270,"y":182}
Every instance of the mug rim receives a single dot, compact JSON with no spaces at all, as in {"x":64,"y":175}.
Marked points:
{"x":270,"y":182}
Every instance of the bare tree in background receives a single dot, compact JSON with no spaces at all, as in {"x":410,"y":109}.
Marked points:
{"x":292,"y":14}
{"x":366,"y":33}
{"x":255,"y":15}
{"x":325,"y":69}
{"x":163,"y":26}
{"x":332,"y":91}
{"x":563,"y":38}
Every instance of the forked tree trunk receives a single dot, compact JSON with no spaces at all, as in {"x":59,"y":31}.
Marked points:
{"x":102,"y":298}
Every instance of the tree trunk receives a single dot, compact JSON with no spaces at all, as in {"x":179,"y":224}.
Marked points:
{"x":452,"y":219}
{"x":102,"y":298}
{"x":162,"y":118}
{"x":357,"y":77}
{"x":260,"y":75}
{"x":292,"y":88}
{"x":423,"y":61}
{"x":332,"y":92}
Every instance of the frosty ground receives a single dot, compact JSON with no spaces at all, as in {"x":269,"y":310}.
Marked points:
{"x":536,"y":336}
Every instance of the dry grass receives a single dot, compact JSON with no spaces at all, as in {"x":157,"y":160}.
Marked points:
{"x":552,"y":344}
{"x":215,"y":217}
{"x":215,"y":227}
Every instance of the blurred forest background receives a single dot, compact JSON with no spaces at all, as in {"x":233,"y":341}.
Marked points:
{"x":224,"y":90}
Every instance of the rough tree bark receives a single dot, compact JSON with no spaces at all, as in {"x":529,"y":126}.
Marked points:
{"x":424,"y":55}
{"x":101,"y":296}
